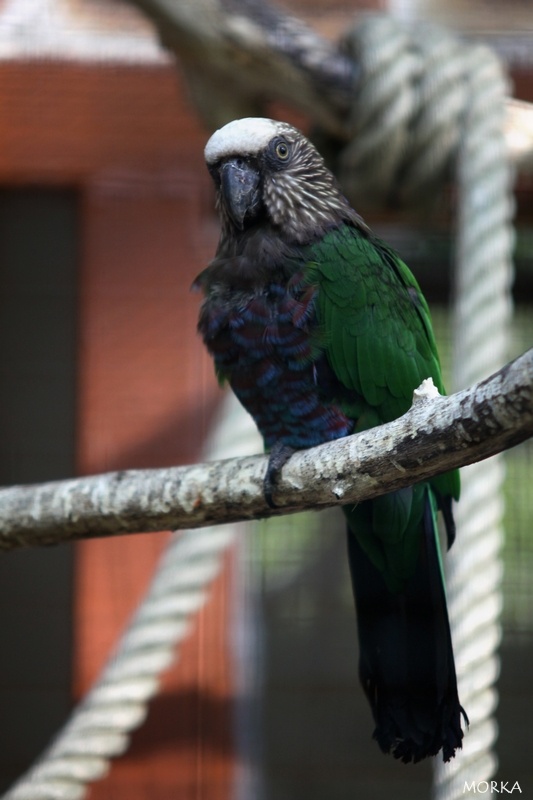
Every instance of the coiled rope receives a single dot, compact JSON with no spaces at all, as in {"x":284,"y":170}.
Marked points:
{"x":429,"y":102}
{"x":426,"y":101}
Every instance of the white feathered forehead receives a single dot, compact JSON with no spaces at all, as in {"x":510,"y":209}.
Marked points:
{"x":245,"y":137}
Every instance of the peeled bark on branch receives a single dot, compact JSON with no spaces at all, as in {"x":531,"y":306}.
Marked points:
{"x":435,"y":435}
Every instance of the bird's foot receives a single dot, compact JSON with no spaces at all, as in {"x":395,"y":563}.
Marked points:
{"x":278,"y":456}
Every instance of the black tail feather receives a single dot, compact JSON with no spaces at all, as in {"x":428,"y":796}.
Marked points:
{"x":406,"y":663}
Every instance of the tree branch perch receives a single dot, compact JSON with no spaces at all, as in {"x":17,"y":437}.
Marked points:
{"x":435,"y":435}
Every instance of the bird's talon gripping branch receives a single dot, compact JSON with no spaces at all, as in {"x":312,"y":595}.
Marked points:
{"x":278,"y":457}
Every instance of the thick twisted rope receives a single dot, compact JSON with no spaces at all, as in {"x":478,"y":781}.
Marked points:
{"x":428,"y":101}
{"x":424,"y":97}
{"x":407,"y":118}
{"x":482,"y":318}
{"x":99,"y":728}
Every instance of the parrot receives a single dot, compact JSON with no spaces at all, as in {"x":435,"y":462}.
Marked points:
{"x":322,"y":331}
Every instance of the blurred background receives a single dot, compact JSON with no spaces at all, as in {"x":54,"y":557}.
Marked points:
{"x":106,"y":217}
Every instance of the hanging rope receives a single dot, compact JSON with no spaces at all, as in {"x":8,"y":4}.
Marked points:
{"x":99,"y":728}
{"x":407,"y":114}
{"x":428,"y":101}
{"x":482,"y":319}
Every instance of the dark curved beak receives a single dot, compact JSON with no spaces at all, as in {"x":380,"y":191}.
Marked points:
{"x":239,"y":182}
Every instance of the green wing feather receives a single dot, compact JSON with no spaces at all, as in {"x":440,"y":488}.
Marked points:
{"x":376,"y":322}
{"x":380,"y":344}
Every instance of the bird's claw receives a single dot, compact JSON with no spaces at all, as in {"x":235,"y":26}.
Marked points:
{"x":278,"y":457}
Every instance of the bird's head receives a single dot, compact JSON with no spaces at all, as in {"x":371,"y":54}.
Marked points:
{"x":268,"y":172}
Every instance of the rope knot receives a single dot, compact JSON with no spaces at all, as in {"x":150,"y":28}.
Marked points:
{"x":408,"y":115}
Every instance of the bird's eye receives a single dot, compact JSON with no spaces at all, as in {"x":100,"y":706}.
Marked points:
{"x":282,"y":150}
